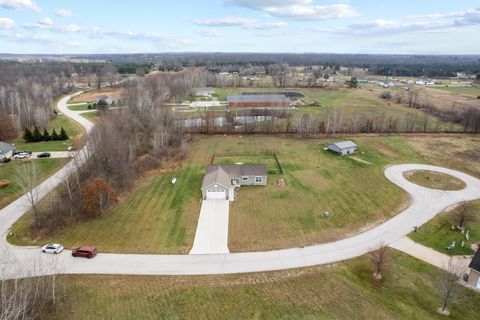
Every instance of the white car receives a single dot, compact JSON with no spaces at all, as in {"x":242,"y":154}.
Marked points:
{"x":22,"y":155}
{"x":52,"y":248}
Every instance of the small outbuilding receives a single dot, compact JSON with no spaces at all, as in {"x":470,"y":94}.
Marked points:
{"x":202,"y":92}
{"x":343,"y":147}
{"x":474,"y":276}
{"x":6,"y":150}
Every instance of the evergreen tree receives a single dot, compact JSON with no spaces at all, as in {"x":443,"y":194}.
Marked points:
{"x":27,"y":135}
{"x":63,"y":134}
{"x":55,"y":136}
{"x":46,"y":136}
{"x":37,"y":136}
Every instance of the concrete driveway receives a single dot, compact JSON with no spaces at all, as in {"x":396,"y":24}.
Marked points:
{"x":55,"y":154}
{"x":211,"y":236}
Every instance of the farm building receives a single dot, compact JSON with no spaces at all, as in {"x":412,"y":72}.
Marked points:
{"x":259,"y":101}
{"x":6,"y":150}
{"x":343,"y":147}
{"x":474,"y":276}
{"x":220,"y":181}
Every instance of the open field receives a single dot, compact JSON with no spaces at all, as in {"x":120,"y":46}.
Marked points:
{"x":473,"y":91}
{"x":7,"y":172}
{"x":157,"y":217}
{"x":267,"y":160}
{"x":449,"y":98}
{"x":340,"y":291}
{"x":79,"y":107}
{"x":434,"y":180}
{"x":437,"y":234}
{"x":93,"y":94}
{"x":73,"y":131}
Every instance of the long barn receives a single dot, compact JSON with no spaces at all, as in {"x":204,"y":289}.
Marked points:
{"x":259,"y":101}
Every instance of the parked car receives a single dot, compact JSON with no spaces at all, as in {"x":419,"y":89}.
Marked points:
{"x":22,"y":155}
{"x":52,"y":248}
{"x":44,"y":155}
{"x":85,"y":251}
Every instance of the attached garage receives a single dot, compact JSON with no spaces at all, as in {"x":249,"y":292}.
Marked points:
{"x":216,"y":194}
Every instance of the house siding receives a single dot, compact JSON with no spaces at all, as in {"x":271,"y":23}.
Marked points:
{"x":473,"y":279}
{"x":251,"y":181}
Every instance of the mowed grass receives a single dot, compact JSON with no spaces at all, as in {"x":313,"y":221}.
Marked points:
{"x":72,"y":129}
{"x":156,"y":217}
{"x":78,"y":107}
{"x":340,"y":291}
{"x":438,"y":234}
{"x":267,"y":160}
{"x":7,"y":172}
{"x":357,"y":194}
{"x":434,"y":180}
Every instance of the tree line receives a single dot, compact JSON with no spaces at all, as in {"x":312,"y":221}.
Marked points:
{"x":36,"y":136}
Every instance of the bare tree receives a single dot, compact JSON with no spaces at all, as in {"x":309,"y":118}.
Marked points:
{"x":448,"y":284}
{"x":27,"y":177}
{"x":463,"y":214}
{"x":380,"y":260}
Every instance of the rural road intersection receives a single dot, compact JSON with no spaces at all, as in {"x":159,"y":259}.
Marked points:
{"x":425,"y":205}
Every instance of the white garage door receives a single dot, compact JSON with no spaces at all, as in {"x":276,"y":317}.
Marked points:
{"x":216,"y":194}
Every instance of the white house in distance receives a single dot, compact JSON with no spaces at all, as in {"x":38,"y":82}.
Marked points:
{"x":6,"y":150}
{"x":343,"y":147}
{"x":221,"y":180}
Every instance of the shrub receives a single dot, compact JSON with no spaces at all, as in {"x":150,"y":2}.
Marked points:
{"x":4,"y":183}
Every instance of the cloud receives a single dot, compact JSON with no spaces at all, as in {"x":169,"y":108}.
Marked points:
{"x":63,"y":13}
{"x":20,"y":5}
{"x":6,"y":23}
{"x":46,"y":21}
{"x":297,"y":9}
{"x":70,"y":28}
{"x":210,"y":33}
{"x":414,"y":24}
{"x":239,"y":22}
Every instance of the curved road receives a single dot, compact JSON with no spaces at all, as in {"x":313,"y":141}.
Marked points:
{"x":426,"y":203}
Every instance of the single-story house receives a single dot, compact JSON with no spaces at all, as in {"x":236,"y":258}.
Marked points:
{"x":474,"y":276}
{"x":343,"y":147}
{"x":220,"y":180}
{"x":108,"y":99}
{"x":259,"y":101}
{"x":203,"y":92}
{"x":6,"y":150}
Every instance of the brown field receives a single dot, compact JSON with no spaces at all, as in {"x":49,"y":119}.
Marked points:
{"x":446,"y":101}
{"x":92,"y":95}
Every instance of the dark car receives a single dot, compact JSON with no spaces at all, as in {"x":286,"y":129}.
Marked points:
{"x":85,"y":251}
{"x":44,"y":155}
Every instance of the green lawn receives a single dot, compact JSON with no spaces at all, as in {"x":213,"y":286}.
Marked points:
{"x":157,"y":217}
{"x":92,"y":116}
{"x":79,"y":107}
{"x":46,"y":167}
{"x":437,"y":234}
{"x":72,"y":128}
{"x":267,"y":160}
{"x":434,"y":180}
{"x":340,"y":291}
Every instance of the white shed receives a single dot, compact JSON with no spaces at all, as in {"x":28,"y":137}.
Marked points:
{"x":343,"y":147}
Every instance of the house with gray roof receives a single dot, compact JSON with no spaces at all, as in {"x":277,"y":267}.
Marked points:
{"x":221,"y":180}
{"x":474,"y":275}
{"x":6,"y":150}
{"x":343,"y":147}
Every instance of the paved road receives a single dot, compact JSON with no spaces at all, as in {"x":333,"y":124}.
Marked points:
{"x":211,"y":236}
{"x":426,"y":203}
{"x":55,"y":154}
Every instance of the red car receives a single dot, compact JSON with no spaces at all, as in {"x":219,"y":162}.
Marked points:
{"x":85,"y":251}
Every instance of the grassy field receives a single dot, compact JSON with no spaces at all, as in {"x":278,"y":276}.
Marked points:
{"x":79,"y":107}
{"x":157,"y":217}
{"x":92,"y":116}
{"x":437,"y":234}
{"x":7,"y":172}
{"x":93,"y":94}
{"x":339,"y":291}
{"x":469,"y":91}
{"x":72,"y":128}
{"x":434,"y":180}
{"x":267,"y":160}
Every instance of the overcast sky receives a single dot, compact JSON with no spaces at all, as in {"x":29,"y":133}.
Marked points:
{"x":127,"y":26}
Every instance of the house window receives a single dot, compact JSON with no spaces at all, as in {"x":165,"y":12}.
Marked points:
{"x":245,"y":178}
{"x":258,"y":179}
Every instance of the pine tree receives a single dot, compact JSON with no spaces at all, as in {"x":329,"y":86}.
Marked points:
{"x":27,"y":135}
{"x":55,"y":136}
{"x":63,"y":134}
{"x":46,"y":135}
{"x":37,"y":136}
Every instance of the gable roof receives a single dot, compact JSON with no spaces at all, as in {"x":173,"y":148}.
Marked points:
{"x":224,"y":173}
{"x":475,"y":264}
{"x":258,"y":98}
{"x":344,"y":144}
{"x":5,"y":148}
